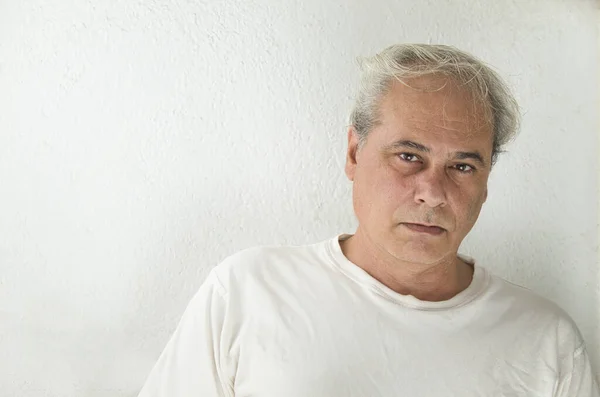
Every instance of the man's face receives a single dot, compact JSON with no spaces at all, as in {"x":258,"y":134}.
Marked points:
{"x":426,"y":164}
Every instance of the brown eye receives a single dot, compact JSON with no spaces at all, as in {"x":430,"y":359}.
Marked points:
{"x":411,"y":158}
{"x":465,"y":168}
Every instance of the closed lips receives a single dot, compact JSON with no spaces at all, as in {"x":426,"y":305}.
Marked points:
{"x":430,"y":229}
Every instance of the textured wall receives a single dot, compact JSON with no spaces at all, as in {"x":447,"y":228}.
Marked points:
{"x":142,"y":141}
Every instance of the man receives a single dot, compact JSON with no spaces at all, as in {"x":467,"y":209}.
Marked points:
{"x":392,"y":310}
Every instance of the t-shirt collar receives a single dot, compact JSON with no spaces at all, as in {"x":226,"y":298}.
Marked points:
{"x":478,"y":284}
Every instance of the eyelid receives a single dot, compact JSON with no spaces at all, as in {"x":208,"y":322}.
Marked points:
{"x":410,"y":154}
{"x":472,"y":168}
{"x":455,"y":166}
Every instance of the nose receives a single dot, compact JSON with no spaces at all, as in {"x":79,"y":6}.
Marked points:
{"x":430,"y":188}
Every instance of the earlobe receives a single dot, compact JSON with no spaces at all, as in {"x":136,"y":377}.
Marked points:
{"x":350,"y":167}
{"x":485,"y":194}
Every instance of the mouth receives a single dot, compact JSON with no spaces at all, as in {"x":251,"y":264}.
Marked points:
{"x":427,"y":229}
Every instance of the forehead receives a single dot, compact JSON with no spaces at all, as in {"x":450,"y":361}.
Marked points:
{"x":435,"y":108}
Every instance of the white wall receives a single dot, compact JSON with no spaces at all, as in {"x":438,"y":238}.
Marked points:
{"x":141,"y":142}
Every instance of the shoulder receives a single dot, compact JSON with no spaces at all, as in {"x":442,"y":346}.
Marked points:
{"x":536,"y":313}
{"x":524,"y":298}
{"x":266,"y":264}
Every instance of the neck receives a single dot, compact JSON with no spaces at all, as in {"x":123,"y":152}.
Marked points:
{"x":433,"y":282}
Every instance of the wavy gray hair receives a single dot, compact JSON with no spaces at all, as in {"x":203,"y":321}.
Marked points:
{"x":403,"y":61}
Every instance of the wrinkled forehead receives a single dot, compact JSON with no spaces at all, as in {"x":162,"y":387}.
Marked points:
{"x":440,"y":101}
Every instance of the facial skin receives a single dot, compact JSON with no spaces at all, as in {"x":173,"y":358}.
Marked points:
{"x":427,"y":163}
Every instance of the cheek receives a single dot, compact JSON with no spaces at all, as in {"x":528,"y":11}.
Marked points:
{"x":380,"y":190}
{"x":395,"y":195}
{"x":474,"y":207}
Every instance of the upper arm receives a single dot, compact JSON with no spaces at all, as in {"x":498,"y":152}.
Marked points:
{"x":577,"y":378}
{"x":193,"y":363}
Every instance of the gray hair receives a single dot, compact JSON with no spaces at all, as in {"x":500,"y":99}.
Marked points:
{"x":404,"y":61}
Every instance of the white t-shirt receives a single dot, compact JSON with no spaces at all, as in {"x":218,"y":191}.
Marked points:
{"x":307,"y":322}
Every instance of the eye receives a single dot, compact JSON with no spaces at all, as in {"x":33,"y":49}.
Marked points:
{"x":464,"y":168}
{"x":411,"y":158}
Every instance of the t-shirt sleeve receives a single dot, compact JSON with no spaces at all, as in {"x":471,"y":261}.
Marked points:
{"x":578,"y":379}
{"x":192,"y":364}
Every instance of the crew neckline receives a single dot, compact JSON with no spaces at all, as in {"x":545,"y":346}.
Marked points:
{"x":477,"y":287}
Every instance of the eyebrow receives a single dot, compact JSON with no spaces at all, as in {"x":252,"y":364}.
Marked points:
{"x":471,"y":155}
{"x":410,"y":145}
{"x":422,"y":148}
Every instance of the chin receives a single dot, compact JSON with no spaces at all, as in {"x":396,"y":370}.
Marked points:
{"x":418,"y":252}
{"x":419,"y":258}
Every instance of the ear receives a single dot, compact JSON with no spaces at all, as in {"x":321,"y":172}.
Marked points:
{"x":485,"y":194}
{"x":351,"y":154}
